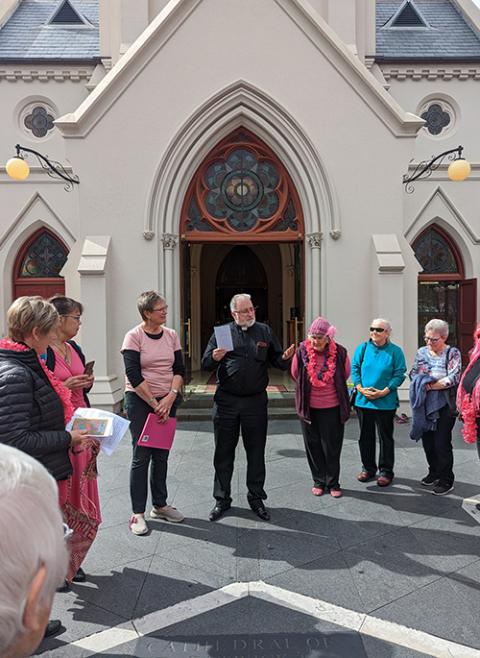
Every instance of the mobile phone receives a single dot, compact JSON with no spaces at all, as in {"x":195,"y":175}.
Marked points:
{"x":89,"y":368}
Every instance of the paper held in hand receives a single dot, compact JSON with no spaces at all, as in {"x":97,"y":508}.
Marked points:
{"x":106,"y":427}
{"x":223,"y":336}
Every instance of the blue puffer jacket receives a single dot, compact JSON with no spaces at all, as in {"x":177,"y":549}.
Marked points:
{"x":31,"y":413}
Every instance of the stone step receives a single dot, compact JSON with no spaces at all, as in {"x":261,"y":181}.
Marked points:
{"x":205,"y":400}
{"x":274,"y":413}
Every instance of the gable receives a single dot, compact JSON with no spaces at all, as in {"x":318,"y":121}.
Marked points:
{"x":307,"y":24}
{"x":66,"y":14}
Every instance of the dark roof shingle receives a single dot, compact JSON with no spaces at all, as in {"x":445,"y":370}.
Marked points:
{"x":26,"y":35}
{"x":448,"y":37}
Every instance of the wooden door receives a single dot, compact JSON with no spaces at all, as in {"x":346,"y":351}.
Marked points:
{"x":467,"y":316}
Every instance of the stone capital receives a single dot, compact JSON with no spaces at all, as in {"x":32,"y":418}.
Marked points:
{"x":315,"y":240}
{"x":169,"y":241}
{"x":149,"y":235}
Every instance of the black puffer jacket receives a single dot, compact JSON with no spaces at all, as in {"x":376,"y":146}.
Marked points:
{"x":31,"y":413}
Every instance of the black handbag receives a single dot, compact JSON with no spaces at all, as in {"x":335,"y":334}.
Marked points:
{"x":451,"y":392}
{"x":353,"y":394}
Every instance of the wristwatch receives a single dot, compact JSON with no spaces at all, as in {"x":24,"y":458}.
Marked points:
{"x":174,"y":390}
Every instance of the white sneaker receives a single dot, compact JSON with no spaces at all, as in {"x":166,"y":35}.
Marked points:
{"x":167,"y":513}
{"x":138,"y":525}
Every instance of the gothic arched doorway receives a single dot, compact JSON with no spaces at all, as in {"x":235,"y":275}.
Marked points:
{"x":38,"y":264}
{"x":241,"y":196}
{"x":443,"y":291}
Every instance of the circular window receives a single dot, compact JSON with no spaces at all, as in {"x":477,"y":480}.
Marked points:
{"x":37,"y":119}
{"x":440,"y":117}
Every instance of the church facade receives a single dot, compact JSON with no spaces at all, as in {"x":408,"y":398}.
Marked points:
{"x":257,"y":146}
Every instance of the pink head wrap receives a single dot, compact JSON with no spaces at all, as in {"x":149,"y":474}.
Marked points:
{"x":322,"y":327}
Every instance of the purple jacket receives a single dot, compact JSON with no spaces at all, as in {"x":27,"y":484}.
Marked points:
{"x":302,"y":391}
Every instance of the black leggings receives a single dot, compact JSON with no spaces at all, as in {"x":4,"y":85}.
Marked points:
{"x":137,"y":412}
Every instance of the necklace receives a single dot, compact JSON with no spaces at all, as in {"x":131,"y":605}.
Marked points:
{"x":320,"y":377}
{"x":62,"y":348}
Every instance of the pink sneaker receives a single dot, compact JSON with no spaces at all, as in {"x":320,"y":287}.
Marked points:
{"x":318,"y":491}
{"x":336,"y":493}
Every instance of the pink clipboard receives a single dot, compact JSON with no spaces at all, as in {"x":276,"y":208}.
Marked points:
{"x":156,"y":434}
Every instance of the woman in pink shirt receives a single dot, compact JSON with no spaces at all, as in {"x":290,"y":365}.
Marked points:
{"x":321,"y":368}
{"x":79,"y":494}
{"x":154,"y":375}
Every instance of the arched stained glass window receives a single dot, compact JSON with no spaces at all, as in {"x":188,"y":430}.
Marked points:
{"x":44,"y":258}
{"x":241,"y":187}
{"x":434,"y":253}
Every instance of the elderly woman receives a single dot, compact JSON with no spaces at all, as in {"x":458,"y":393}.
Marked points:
{"x":79,"y":501}
{"x":154,"y":375}
{"x":34,"y":405}
{"x":34,"y":554}
{"x":468,"y":395}
{"x":435,"y":376}
{"x":321,"y":368}
{"x":378,"y":369}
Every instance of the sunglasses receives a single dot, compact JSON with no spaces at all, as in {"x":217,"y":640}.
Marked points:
{"x":378,"y":330}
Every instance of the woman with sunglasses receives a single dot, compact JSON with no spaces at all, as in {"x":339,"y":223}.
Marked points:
{"x":378,"y":369}
{"x":321,"y":368}
{"x":435,"y":376}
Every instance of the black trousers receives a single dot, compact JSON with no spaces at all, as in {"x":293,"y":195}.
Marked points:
{"x":323,"y":439}
{"x":137,"y":412}
{"x":232,"y":413}
{"x":438,"y":448}
{"x":372,"y":421}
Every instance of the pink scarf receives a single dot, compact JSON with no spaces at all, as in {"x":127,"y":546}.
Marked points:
{"x":469,"y":403}
{"x":62,"y":391}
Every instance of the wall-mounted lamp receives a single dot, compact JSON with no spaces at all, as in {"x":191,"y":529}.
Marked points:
{"x":18,"y":169}
{"x":458,"y":170}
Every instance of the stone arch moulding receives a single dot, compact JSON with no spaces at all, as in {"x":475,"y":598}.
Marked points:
{"x":440,"y":210}
{"x":241,"y":105}
{"x":35,"y":214}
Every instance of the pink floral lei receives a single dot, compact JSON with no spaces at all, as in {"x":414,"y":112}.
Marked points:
{"x":62,"y":391}
{"x":317,"y":378}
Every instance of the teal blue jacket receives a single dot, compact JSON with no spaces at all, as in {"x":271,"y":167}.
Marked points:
{"x":381,"y":367}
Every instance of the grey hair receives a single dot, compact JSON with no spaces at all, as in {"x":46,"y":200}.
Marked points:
{"x":438,"y":326}
{"x":29,"y":498}
{"x":237,"y":298}
{"x":387,"y":324}
{"x":147,"y":301}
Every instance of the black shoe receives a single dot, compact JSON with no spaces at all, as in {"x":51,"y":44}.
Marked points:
{"x":429,"y":480}
{"x":64,"y":588}
{"x":53,"y":626}
{"x":80,"y":576}
{"x":262,"y":513}
{"x":218,"y":511}
{"x":442,"y":488}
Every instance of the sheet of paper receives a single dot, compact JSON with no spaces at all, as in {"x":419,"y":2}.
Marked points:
{"x":119,"y":427}
{"x":223,"y":336}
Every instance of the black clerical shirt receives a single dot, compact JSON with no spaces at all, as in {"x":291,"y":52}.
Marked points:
{"x":244,"y":371}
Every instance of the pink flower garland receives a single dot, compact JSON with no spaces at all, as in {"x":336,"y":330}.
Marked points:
{"x":312,"y":365}
{"x":62,"y":391}
{"x":468,"y":413}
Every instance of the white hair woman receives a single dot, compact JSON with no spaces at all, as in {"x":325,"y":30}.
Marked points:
{"x":34,"y":556}
{"x":435,"y":376}
{"x":378,"y":369}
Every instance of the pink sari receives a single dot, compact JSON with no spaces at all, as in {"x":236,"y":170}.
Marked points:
{"x":78,"y":496}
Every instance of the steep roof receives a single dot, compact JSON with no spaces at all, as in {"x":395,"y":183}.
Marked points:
{"x":28,"y":35}
{"x":447,"y":34}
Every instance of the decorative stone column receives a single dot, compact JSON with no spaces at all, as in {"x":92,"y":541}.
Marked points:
{"x":170,"y":242}
{"x":314,"y":241}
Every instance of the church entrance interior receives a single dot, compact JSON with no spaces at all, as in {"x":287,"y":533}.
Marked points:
{"x":271,"y":273}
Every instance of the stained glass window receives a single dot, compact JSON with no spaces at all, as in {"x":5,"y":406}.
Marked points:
{"x":241,"y":187}
{"x":44,"y":258}
{"x":436,"y":119}
{"x":39,"y":121}
{"x":434,"y":253}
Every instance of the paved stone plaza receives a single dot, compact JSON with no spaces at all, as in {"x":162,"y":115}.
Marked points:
{"x":325,"y":578}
